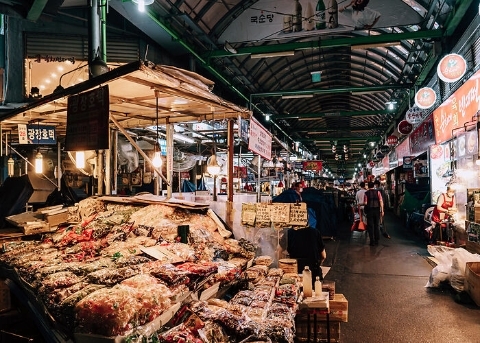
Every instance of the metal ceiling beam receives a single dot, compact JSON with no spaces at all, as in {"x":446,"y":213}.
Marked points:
{"x":331,"y":114}
{"x":328,"y":43}
{"x":36,"y":10}
{"x":340,"y":139}
{"x":332,"y":90}
{"x":456,"y":16}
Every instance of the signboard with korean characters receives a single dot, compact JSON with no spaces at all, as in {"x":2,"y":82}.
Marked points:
{"x":422,"y":137}
{"x":87,"y":120}
{"x":458,"y":109}
{"x":36,"y":134}
{"x":260,"y":140}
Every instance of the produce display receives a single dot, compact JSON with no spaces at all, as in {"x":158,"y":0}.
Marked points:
{"x":95,"y":277}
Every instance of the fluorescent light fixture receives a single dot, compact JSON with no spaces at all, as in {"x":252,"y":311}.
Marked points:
{"x":80,"y":159}
{"x":375,"y":45}
{"x":142,"y":3}
{"x":369,"y":92}
{"x":316,"y":132}
{"x":38,"y":163}
{"x":297,"y":96}
{"x":273,"y":54}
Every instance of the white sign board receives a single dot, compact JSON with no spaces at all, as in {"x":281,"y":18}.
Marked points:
{"x":260,"y":140}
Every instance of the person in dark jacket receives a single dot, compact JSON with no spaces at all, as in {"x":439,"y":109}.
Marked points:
{"x":374,"y":209}
{"x":305,"y":244}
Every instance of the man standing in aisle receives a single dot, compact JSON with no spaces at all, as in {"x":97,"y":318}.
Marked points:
{"x":374,"y":209}
{"x":379,"y":187}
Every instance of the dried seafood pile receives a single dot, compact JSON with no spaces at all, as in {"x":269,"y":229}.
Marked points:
{"x":94,"y":277}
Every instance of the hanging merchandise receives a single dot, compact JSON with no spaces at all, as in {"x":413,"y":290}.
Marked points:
{"x":309,"y":17}
{"x":297,"y":17}
{"x":332,"y":14}
{"x":320,"y":22}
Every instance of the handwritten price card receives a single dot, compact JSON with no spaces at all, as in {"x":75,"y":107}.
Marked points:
{"x":280,"y":213}
{"x":263,"y":214}
{"x":298,"y":214}
{"x":249,"y":212}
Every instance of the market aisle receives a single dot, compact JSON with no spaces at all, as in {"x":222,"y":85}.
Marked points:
{"x":385,"y":288}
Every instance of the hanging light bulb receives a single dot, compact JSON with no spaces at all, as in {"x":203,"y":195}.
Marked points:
{"x":80,"y":159}
{"x":11,"y":166}
{"x":213,"y":167}
{"x":157,"y":159}
{"x":38,"y":163}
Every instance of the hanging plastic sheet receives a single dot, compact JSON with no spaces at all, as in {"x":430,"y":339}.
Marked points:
{"x":188,"y":186}
{"x":201,"y":185}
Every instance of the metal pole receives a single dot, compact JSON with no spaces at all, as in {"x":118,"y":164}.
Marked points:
{"x":230,"y":161}
{"x":259,"y":174}
{"x":108,"y":167}
{"x":169,"y":134}
{"x":59,"y":166}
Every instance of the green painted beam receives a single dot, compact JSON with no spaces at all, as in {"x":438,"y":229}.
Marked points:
{"x":456,"y":16}
{"x":340,"y":139}
{"x":451,"y":23}
{"x":36,"y":10}
{"x":333,"y":90}
{"x":328,"y":43}
{"x":331,"y":114}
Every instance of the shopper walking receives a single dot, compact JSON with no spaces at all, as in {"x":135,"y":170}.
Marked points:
{"x":383,"y":228}
{"x":374,"y":209}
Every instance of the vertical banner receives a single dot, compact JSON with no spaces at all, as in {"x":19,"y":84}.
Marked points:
{"x":87,"y":120}
{"x":260,"y":140}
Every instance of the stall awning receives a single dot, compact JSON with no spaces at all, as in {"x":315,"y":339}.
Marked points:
{"x":183,"y":96}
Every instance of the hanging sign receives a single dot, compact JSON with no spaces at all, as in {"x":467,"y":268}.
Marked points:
{"x":36,"y":134}
{"x":458,"y":109}
{"x":425,"y":98}
{"x":260,"y":140}
{"x":379,"y":155}
{"x":404,"y":127}
{"x":451,"y":68}
{"x":312,"y":165}
{"x":243,"y":129}
{"x":436,"y":152}
{"x":87,"y":120}
{"x":392,"y":140}
{"x":407,"y":162}
{"x":385,"y":149}
{"x":414,"y":115}
{"x":422,"y":137}
{"x":371,"y":164}
{"x":403,"y":149}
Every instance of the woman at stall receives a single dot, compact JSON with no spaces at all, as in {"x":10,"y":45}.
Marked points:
{"x":446,"y":206}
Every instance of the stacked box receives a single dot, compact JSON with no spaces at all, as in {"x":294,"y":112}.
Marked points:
{"x":302,"y":326}
{"x":5,"y":300}
{"x":472,"y":281}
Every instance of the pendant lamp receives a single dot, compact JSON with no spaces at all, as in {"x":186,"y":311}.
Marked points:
{"x":38,"y":162}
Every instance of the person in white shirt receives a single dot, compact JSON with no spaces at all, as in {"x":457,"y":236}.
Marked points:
{"x":363,"y":17}
{"x":359,"y":196}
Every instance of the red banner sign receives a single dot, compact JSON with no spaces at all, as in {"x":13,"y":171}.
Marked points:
{"x":422,"y":137}
{"x":392,"y":140}
{"x":313,"y":165}
{"x":458,"y":109}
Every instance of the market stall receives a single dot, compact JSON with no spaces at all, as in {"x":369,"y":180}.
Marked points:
{"x":131,"y":268}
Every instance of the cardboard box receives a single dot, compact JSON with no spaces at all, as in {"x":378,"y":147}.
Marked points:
{"x":338,"y":310}
{"x":302,"y":327}
{"x":5,"y":299}
{"x":472,"y":281}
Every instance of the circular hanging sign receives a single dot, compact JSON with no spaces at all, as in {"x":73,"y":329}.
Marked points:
{"x":380,"y":155}
{"x":385,"y":149}
{"x":371,"y":164}
{"x":414,"y":115}
{"x":404,"y":127}
{"x":392,"y":140}
{"x":425,"y":98}
{"x":451,"y":68}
